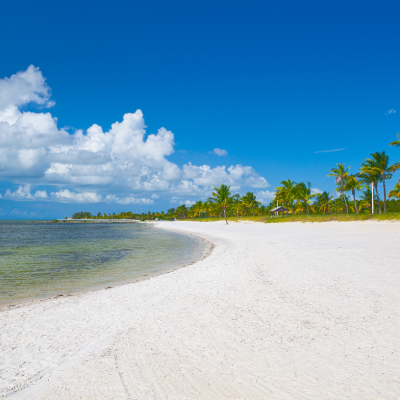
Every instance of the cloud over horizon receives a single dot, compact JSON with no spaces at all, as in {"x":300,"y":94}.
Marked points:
{"x":124,"y":165}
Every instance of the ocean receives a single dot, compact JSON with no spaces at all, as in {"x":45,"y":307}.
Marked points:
{"x":42,"y":260}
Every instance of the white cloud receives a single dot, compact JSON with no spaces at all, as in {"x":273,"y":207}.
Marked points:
{"x":316,"y":190}
{"x":220,"y":152}
{"x":124,"y":160}
{"x":265,"y":196}
{"x":22,"y":88}
{"x":179,"y":201}
{"x":391,"y":111}
{"x":237,"y":175}
{"x":327,"y":151}
{"x":24,"y":193}
{"x":127,"y":200}
{"x":66,"y":196}
{"x":155,"y":196}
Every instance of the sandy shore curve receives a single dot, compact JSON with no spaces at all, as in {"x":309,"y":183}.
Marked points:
{"x":276,"y":311}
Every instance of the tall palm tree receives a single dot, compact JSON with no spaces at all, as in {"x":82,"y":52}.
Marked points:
{"x":379,"y":165}
{"x":222,"y":197}
{"x":367,"y":180}
{"x":340,"y":173}
{"x":353,"y":184}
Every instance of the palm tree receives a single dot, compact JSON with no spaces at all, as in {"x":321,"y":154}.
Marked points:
{"x":340,"y":173}
{"x":197,"y":209}
{"x":366,"y":198}
{"x":303,"y":193}
{"x":396,"y":142}
{"x":324,"y":201}
{"x":379,"y":165}
{"x":367,"y":180}
{"x":250,"y":201}
{"x":353,"y":184}
{"x":286,"y":193}
{"x":222,"y":197}
{"x":171,"y":212}
{"x":237,"y":206}
{"x":395,"y":192}
{"x":337,"y":205}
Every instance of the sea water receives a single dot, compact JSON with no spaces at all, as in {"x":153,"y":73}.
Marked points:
{"x":40,"y":260}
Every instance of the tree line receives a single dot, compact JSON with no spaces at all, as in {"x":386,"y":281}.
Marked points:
{"x":297,"y":197}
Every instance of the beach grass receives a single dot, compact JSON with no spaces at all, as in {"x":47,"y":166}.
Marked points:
{"x":390,"y":216}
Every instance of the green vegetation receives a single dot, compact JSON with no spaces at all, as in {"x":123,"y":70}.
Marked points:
{"x":82,"y":215}
{"x":355,"y":201}
{"x":223,"y":199}
{"x":336,"y":217}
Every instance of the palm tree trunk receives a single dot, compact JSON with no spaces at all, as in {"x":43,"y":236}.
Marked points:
{"x":226,"y":220}
{"x":345,"y":200}
{"x":354,"y":199}
{"x":377,"y":195}
{"x":308,"y":211}
{"x":384,"y":192}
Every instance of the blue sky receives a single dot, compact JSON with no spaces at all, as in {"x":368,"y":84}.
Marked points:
{"x":272,"y":83}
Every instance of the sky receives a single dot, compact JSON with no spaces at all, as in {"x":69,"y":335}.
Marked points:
{"x":137,"y":106}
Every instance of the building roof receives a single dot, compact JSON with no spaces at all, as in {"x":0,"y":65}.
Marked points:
{"x":279,"y":209}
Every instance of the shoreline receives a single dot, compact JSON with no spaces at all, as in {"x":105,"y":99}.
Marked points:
{"x":275,"y":311}
{"x":201,"y":254}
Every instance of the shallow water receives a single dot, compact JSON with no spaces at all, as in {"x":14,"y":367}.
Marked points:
{"x":42,"y":260}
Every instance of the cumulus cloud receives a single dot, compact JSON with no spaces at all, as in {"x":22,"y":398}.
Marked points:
{"x":88,"y":166}
{"x":24,"y":193}
{"x":237,"y":175}
{"x":391,"y":111}
{"x":220,"y":152}
{"x":68,"y":196}
{"x":265,"y":196}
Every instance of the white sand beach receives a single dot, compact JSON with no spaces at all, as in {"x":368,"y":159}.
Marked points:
{"x":276,"y":311}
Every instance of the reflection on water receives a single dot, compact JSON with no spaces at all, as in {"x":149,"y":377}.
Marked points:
{"x":41,"y":260}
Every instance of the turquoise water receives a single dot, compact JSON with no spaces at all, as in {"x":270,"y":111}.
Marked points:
{"x":43,"y":260}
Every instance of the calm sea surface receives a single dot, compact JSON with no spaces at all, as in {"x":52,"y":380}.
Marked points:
{"x":42,"y":260}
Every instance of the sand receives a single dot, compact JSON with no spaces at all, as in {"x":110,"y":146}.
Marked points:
{"x":277,"y":311}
